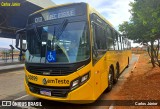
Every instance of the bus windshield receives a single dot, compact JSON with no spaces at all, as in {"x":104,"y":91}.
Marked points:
{"x":67,"y":43}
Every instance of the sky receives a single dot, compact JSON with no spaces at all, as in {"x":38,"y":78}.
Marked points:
{"x":4,"y":42}
{"x":115,"y":11}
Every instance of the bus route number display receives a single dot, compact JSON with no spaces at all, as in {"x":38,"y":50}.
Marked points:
{"x":51,"y":15}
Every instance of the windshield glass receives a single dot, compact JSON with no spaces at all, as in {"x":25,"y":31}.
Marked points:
{"x":66,"y":42}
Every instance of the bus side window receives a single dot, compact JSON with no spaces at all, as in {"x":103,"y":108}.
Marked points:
{"x":100,"y":37}
{"x":119,"y":42}
{"x":125,"y":44}
{"x":122,"y":47}
{"x":94,"y":44}
{"x":116,"y":41}
{"x":99,"y":42}
{"x":110,"y":41}
{"x":129,"y":45}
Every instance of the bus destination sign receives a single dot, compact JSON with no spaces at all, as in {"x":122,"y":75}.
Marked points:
{"x":52,"y":15}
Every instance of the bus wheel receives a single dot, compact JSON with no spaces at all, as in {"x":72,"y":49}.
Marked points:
{"x":110,"y":80}
{"x":117,"y":74}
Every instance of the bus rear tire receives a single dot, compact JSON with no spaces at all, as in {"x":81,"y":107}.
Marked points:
{"x":110,"y":80}
{"x":117,"y":74}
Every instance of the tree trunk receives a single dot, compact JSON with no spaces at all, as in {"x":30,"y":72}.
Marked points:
{"x":152,"y":54}
{"x":158,"y":52}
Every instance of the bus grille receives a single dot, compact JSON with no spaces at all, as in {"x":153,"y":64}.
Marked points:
{"x":55,"y":91}
{"x":50,"y":71}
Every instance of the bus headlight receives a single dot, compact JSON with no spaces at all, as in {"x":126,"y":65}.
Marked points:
{"x":84,"y":78}
{"x":79,"y":81}
{"x":75,"y":84}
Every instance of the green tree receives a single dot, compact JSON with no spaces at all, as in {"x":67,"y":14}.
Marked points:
{"x":144,"y":26}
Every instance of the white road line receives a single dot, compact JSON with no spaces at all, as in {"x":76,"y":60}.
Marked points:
{"x":21,"y":97}
{"x":111,"y":106}
{"x":26,"y":107}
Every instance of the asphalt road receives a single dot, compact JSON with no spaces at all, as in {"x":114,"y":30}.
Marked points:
{"x":12,"y":88}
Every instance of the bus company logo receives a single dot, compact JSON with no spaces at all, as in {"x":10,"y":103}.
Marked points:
{"x":44,"y":81}
{"x":54,"y":81}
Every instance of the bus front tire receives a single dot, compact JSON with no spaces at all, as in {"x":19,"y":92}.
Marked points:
{"x":110,"y":80}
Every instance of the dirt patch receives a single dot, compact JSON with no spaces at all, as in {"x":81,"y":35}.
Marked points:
{"x":142,"y":84}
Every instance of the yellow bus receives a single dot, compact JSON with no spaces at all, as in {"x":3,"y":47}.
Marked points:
{"x":73,"y":54}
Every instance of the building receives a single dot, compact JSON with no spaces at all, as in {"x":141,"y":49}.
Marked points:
{"x":13,"y":18}
{"x":14,"y":14}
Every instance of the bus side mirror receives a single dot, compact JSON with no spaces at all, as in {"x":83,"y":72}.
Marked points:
{"x":19,"y":35}
{"x":95,"y":53}
{"x":17,"y":40}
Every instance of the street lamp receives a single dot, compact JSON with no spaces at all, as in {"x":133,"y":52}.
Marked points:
{"x":12,"y":51}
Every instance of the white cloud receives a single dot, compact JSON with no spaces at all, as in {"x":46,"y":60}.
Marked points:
{"x":115,"y":11}
{"x":4,"y":42}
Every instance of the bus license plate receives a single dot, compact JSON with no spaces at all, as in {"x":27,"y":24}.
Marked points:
{"x":45,"y":92}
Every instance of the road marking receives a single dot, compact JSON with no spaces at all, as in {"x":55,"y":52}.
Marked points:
{"x":27,"y":107}
{"x":24,"y":107}
{"x":21,"y":97}
{"x":111,"y":106}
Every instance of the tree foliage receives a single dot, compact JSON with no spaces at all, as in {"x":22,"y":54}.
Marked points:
{"x":144,"y":26}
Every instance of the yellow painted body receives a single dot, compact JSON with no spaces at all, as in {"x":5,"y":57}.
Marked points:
{"x":97,"y":83}
{"x":84,"y":92}
{"x":94,"y":87}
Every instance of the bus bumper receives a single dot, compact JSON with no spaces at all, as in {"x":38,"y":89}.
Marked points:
{"x":81,"y":95}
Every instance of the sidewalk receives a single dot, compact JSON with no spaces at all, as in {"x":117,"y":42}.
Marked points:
{"x":7,"y":66}
{"x":142,"y":84}
{"x":8,"y":61}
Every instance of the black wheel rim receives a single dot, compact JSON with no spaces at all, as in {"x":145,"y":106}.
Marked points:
{"x":110,"y":77}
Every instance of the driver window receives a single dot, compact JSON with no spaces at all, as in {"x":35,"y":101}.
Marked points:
{"x":99,"y":44}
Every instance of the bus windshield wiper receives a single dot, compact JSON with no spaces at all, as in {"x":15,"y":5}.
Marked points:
{"x":36,"y":32}
{"x":61,"y":28}
{"x":39,"y":40}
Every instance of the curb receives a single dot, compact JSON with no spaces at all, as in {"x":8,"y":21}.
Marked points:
{"x":11,"y":69}
{"x":10,"y":63}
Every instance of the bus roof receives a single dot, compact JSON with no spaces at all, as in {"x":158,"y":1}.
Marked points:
{"x":91,"y":10}
{"x":67,"y":4}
